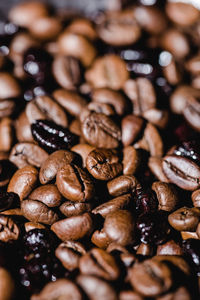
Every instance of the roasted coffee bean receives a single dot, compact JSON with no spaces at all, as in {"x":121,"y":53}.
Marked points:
{"x":151,"y":278}
{"x":100,"y":131}
{"x":45,"y":28}
{"x":9,"y":87}
{"x":66,"y":70}
{"x":74,"y":183}
{"x":192,"y":65}
{"x":169,"y":248}
{"x":145,"y":200}
{"x":6,"y":135}
{"x":7,"y":285}
{"x":185,"y":219}
{"x":44,"y":107}
{"x":166,"y":194}
{"x":157,"y":117}
{"x":119,"y":227}
{"x":23,"y":129}
{"x":131,"y":160}
{"x":96,"y":288}
{"x":7,"y":107}
{"x":189,"y":149}
{"x":23,"y":181}
{"x":183,"y":14}
{"x":69,"y":253}
{"x":73,"y":228}
{"x":122,"y":185}
{"x":61,"y":289}
{"x":155,"y":165}
{"x":51,"y":136}
{"x":131,"y":128}
{"x":71,"y":101}
{"x":71,"y":208}
{"x":83,"y":27}
{"x":121,"y":202}
{"x":182,"y":172}
{"x":31,"y":225}
{"x":196,"y":198}
{"x":119,"y":28}
{"x":100,"y":263}
{"x":38,"y":212}
{"x":53,"y":163}
{"x":9,"y":230}
{"x":24,"y":154}
{"x":100,"y":239}
{"x":47,"y":194}
{"x":103,"y":164}
{"x":107,"y":72}
{"x":7,"y":200}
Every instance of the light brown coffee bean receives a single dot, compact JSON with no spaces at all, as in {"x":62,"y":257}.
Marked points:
{"x":96,"y":288}
{"x":32,"y":225}
{"x":9,"y":230}
{"x":71,"y":44}
{"x":119,"y":227}
{"x":47,"y":194}
{"x":119,"y":28}
{"x":23,"y":129}
{"x":73,"y":228}
{"x":71,"y":101}
{"x":103,"y":164}
{"x":131,"y":160}
{"x":83,"y":150}
{"x":66,"y":71}
{"x":7,"y":107}
{"x":131,"y":128}
{"x":185,"y":219}
{"x":6,"y":134}
{"x":7,"y":285}
{"x":157,"y":117}
{"x":100,"y":131}
{"x":69,"y":253}
{"x":83,"y":27}
{"x":121,"y":202}
{"x":166,"y":194}
{"x":44,"y":107}
{"x":38,"y":212}
{"x":108,"y":71}
{"x":53,"y":163}
{"x":141,"y":93}
{"x":23,"y":181}
{"x":71,"y":208}
{"x":45,"y":28}
{"x":100,"y":239}
{"x":24,"y":154}
{"x":196,"y":198}
{"x":183,"y":14}
{"x":155,"y":165}
{"x":9,"y":87}
{"x":74,"y":183}
{"x":100,"y":263}
{"x":60,"y":289}
{"x":169,"y":248}
{"x":182,"y":172}
{"x":122,"y":185}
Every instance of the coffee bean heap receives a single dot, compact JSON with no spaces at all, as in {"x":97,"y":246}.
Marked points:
{"x":100,"y":153}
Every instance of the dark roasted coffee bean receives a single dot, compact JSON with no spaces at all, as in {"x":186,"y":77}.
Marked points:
{"x":191,"y":250}
{"x":9,"y":230}
{"x":145,"y":201}
{"x":131,"y":128}
{"x":47,"y":194}
{"x":185,"y":219}
{"x":131,"y":160}
{"x":7,"y":200}
{"x":51,"y":136}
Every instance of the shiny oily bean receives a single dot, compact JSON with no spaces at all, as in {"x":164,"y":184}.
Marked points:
{"x":73,"y":228}
{"x":100,"y":263}
{"x":23,"y":181}
{"x":71,"y":208}
{"x":166,"y":194}
{"x":53,"y":163}
{"x":32,"y":225}
{"x":37,"y":212}
{"x":103,"y":164}
{"x":6,"y":134}
{"x":83,"y":150}
{"x":122,"y":185}
{"x":182,"y":172}
{"x":121,"y":202}
{"x":196,"y":198}
{"x":69,"y":253}
{"x":185,"y":219}
{"x":169,"y":248}
{"x":7,"y":285}
{"x":47,"y":194}
{"x":9,"y":87}
{"x":60,"y":289}
{"x":131,"y":128}
{"x":23,"y":154}
{"x":9,"y":230}
{"x":23,"y":129}
{"x":131,"y":160}
{"x":108,"y":71}
{"x":100,"y":131}
{"x":74,"y":183}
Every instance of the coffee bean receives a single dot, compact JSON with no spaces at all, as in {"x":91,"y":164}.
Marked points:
{"x":31,"y":225}
{"x":122,"y":185}
{"x":9,"y":87}
{"x":185,"y":219}
{"x":62,"y":288}
{"x":83,"y":27}
{"x":119,"y":28}
{"x":107,"y":72}
{"x":53,"y":163}
{"x":38,"y":212}
{"x":157,"y":117}
{"x":9,"y":230}
{"x":100,"y":131}
{"x":47,"y":194}
{"x":182,"y":172}
{"x":131,"y":160}
{"x":74,"y":183}
{"x":69,"y":253}
{"x":131,"y":128}
{"x":155,"y":165}
{"x":83,"y":150}
{"x":183,"y":14}
{"x":103,"y":164}
{"x":196,"y":198}
{"x":6,"y":135}
{"x":45,"y":28}
{"x":7,"y":285}
{"x":71,"y":208}
{"x":7,"y":107}
{"x":192,"y":65}
{"x":23,"y":129}
{"x":100,"y":263}
{"x":189,"y":235}
{"x":96,"y":288}
{"x":73,"y":228}
{"x":24,"y":154}
{"x":169,"y":248}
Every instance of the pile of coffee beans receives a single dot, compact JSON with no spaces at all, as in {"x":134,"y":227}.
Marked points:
{"x":100,"y":153}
